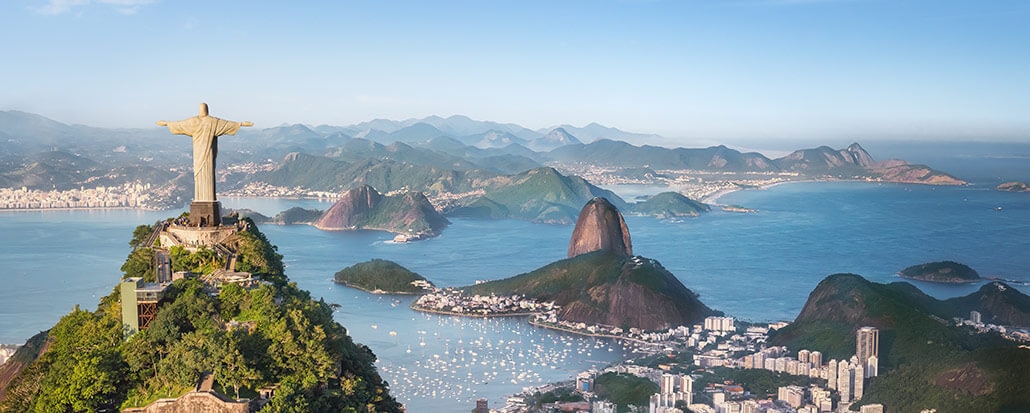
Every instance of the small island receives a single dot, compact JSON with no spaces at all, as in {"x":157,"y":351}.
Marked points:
{"x":380,"y":276}
{"x":1014,"y":186}
{"x":669,"y":205}
{"x":941,"y":272}
{"x":737,"y":208}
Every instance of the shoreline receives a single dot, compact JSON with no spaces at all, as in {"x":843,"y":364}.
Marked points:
{"x":473,"y":315}
{"x":78,"y":209}
{"x":713,"y":199}
{"x":377,"y":291}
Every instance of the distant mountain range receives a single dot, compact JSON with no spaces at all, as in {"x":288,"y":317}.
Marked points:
{"x":497,"y":165}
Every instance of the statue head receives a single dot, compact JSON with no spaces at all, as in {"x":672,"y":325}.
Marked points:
{"x":203,"y":109}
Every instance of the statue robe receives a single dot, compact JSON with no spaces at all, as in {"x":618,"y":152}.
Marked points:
{"x":205,"y":131}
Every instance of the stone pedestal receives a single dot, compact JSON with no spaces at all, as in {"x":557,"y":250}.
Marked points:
{"x":205,"y":213}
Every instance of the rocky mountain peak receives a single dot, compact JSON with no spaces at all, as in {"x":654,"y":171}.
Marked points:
{"x":600,"y":226}
{"x":859,"y":156}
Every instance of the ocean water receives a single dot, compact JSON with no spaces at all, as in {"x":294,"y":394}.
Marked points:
{"x":756,"y":266}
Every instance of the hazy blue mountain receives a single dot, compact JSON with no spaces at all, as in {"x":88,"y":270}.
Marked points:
{"x":251,"y":144}
{"x":63,"y":171}
{"x":513,"y":149}
{"x":594,"y":131}
{"x":453,"y":126}
{"x":414,"y":133}
{"x":377,"y":135}
{"x":506,"y":164}
{"x":449,"y":145}
{"x":459,"y":125}
{"x":26,"y":133}
{"x":355,"y":150}
{"x":332,"y":129}
{"x":383,"y":125}
{"x":621,"y":154}
{"x":556,"y":138}
{"x":493,"y":139}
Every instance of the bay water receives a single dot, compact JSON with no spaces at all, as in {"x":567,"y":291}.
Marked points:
{"x":753,"y":266}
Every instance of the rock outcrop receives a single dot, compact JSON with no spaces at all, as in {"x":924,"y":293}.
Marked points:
{"x":600,"y":226}
{"x":1014,"y":186}
{"x":409,"y":214}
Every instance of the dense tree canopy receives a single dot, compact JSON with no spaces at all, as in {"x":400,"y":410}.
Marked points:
{"x":273,"y":334}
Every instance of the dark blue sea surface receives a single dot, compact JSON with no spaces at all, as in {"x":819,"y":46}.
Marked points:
{"x":754,"y":266}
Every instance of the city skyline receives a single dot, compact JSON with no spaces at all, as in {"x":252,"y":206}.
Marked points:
{"x":696,"y":73}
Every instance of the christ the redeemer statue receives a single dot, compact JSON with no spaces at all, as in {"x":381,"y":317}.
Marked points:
{"x":205,"y":131}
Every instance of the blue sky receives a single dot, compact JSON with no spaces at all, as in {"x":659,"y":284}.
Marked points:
{"x":693,"y":71}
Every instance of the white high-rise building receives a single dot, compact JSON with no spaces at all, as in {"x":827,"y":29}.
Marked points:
{"x":668,"y":384}
{"x":816,"y":358}
{"x":844,"y":381}
{"x":719,"y":323}
{"x":872,"y":366}
{"x":792,"y":395}
{"x":803,"y":355}
{"x":867,"y":344}
{"x":687,"y":388}
{"x":859,"y":381}
{"x":831,"y":374}
{"x":975,"y":317}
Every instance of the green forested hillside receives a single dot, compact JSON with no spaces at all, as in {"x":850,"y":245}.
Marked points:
{"x":925,"y":361}
{"x":545,"y":195}
{"x":274,"y":334}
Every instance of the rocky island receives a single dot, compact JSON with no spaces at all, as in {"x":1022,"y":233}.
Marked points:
{"x":941,"y":272}
{"x":409,"y":215}
{"x":1014,"y":186}
{"x":380,"y":276}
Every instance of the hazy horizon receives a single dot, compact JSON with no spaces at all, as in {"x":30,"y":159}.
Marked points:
{"x":692,"y":72}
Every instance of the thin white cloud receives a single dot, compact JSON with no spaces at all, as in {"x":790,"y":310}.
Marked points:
{"x":53,"y":7}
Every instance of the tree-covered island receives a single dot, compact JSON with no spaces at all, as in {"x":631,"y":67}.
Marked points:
{"x":382,"y":277}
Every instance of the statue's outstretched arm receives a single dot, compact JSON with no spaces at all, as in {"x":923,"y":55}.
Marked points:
{"x":162,"y":123}
{"x":246,"y":123}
